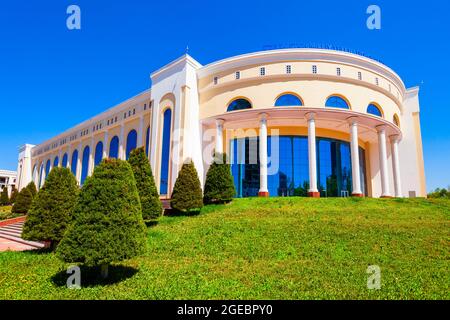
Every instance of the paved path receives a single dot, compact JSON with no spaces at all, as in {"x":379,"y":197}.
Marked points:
{"x":11,"y":239}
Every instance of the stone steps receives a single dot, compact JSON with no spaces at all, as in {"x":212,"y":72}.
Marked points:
{"x":13,"y":232}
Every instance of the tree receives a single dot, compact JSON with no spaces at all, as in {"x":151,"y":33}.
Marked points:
{"x":23,"y":202}
{"x":187,"y":192}
{"x":4,"y":198}
{"x":14,"y":194}
{"x":107,"y":221}
{"x":32,"y":187}
{"x":148,"y":194}
{"x":52,"y":208}
{"x":219,"y":185}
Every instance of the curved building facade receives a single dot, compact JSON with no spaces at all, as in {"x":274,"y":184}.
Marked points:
{"x":293,"y":122}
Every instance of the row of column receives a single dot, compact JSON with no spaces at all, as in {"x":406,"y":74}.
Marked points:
{"x":105,"y":153}
{"x":312,"y":155}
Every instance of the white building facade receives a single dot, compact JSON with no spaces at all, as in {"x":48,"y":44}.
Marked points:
{"x":8,"y":180}
{"x":293,"y":122}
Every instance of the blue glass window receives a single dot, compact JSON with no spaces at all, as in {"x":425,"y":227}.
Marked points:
{"x":239,"y":104}
{"x":55,"y":162}
{"x":245,"y":166}
{"x":47,"y":168}
{"x":165,"y":154}
{"x":337,"y":102}
{"x":98,"y":153}
{"x":74,"y":162}
{"x":114,"y":147}
{"x":287,"y":100}
{"x":147,"y":141}
{"x":131,"y":142}
{"x":64,"y":160}
{"x":373,"y":109}
{"x":85,"y":164}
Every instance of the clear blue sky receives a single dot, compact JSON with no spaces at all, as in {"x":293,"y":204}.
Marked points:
{"x":52,"y":78}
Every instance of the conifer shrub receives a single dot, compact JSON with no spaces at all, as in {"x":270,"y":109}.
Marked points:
{"x":145,"y":183}
{"x":219,"y":185}
{"x":107,"y":223}
{"x":23,"y":202}
{"x":187,"y":192}
{"x":32,"y":187}
{"x":52,"y":207}
{"x":4,"y":198}
{"x":14,"y":194}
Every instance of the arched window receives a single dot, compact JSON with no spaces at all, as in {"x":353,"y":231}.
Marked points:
{"x":375,"y":110}
{"x":337,"y":102}
{"x":131,"y":142}
{"x":239,"y":104}
{"x":114,"y":147}
{"x":41,"y":173}
{"x":64,"y":160}
{"x":396,"y":120}
{"x":85,"y":164}
{"x":147,"y":140}
{"x":73,"y":164}
{"x":47,"y":168}
{"x":288,"y":100}
{"x":98,"y":153}
{"x":165,"y":153}
{"x":56,"y":162}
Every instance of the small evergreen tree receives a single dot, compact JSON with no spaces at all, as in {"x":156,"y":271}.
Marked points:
{"x":187,"y":192}
{"x":23,"y":202}
{"x":148,"y":194}
{"x":52,"y":207}
{"x":14,"y":194}
{"x":4,"y":198}
{"x":32,"y":187}
{"x":219,"y":185}
{"x":107,"y":221}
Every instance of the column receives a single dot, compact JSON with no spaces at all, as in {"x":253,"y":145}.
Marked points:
{"x":79,"y":162}
{"x":105,"y":146}
{"x":91,"y":157}
{"x":354,"y":148}
{"x":383,"y":162}
{"x":396,"y":165}
{"x":263,"y":190}
{"x":313,"y":191}
{"x":219,"y":136}
{"x":69,"y":157}
{"x":140,"y":132}
{"x":121,"y":148}
{"x":60,"y":158}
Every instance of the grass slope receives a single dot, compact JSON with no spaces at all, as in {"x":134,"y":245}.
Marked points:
{"x":277,"y":248}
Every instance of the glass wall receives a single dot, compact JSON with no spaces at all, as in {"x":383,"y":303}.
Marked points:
{"x":85,"y":164}
{"x":98,"y":153}
{"x":289,"y":170}
{"x":147,"y":140}
{"x":47,"y":168}
{"x":64,"y":161}
{"x":131,"y":142}
{"x":114,"y":148}
{"x":73,"y":165}
{"x":165,"y":154}
{"x":55,"y":162}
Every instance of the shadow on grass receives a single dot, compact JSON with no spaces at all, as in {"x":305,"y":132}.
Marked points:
{"x":38,"y":251}
{"x":90,"y":276}
{"x":179,"y":213}
{"x":151,"y":223}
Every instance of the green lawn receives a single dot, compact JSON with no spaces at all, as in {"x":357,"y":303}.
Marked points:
{"x":277,"y":248}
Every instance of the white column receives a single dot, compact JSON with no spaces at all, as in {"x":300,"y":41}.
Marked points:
{"x":140,"y":132}
{"x":121,"y":138}
{"x":60,"y":158}
{"x":383,"y":162}
{"x":219,"y":136}
{"x":79,"y":162}
{"x":263,"y":190}
{"x":396,"y":166}
{"x":69,"y":157}
{"x":105,"y":146}
{"x":313,"y":191}
{"x":354,"y":147}
{"x":91,"y":157}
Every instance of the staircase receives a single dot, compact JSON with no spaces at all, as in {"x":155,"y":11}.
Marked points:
{"x":11,"y":239}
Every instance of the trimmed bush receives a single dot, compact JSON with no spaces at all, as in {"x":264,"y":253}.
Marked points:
{"x":145,"y":183}
{"x":219,"y":185}
{"x":107,"y":221}
{"x":187,"y":192}
{"x":14,"y":194}
{"x":4,"y":198}
{"x":32,"y":187}
{"x":52,"y":208}
{"x":23,"y":202}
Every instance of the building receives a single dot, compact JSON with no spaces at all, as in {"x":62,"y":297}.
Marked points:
{"x":293,"y":122}
{"x":8,"y":180}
